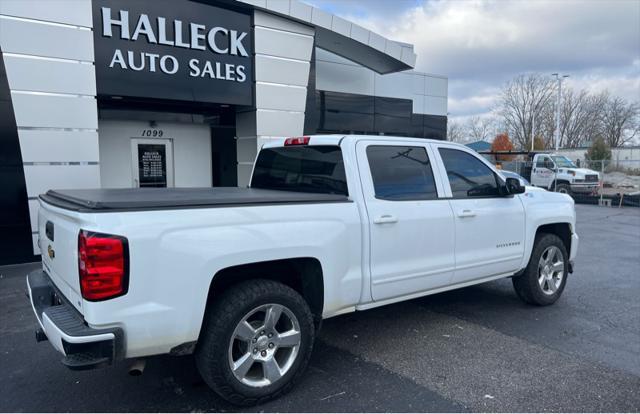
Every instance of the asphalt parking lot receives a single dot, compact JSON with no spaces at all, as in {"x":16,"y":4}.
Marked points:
{"x":475,"y":349}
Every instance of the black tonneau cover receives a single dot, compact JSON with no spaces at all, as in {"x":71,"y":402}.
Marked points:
{"x":135,"y":199}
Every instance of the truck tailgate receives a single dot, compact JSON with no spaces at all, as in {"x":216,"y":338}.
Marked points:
{"x":58,"y":239}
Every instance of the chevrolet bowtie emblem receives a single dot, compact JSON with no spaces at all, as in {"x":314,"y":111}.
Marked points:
{"x":51,"y":252}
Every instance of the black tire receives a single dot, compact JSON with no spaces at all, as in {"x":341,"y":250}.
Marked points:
{"x":220,"y":322}
{"x":527,"y":286}
{"x":564,"y":188}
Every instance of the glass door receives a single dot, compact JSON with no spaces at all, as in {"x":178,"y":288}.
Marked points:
{"x":152,"y":162}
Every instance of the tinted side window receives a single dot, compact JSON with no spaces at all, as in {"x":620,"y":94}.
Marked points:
{"x":468,"y":176}
{"x":401,"y":173}
{"x":540,"y":162}
{"x":310,"y":169}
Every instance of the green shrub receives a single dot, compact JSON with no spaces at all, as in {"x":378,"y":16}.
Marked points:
{"x":597,"y":153}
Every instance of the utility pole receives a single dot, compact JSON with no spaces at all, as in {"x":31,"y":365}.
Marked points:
{"x":559,"y":78}
{"x":533,"y":131}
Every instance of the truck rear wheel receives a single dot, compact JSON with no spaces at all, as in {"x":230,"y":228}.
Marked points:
{"x":256,"y":342}
{"x":545,"y":277}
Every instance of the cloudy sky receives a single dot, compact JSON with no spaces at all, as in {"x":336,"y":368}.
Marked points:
{"x":481,"y":44}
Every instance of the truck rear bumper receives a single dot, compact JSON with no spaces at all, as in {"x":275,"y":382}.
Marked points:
{"x":83,"y":347}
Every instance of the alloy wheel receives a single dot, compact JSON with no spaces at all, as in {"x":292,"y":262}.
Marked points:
{"x":264,"y":345}
{"x":550,"y":270}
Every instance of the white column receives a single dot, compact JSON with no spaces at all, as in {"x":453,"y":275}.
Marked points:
{"x":283,"y":52}
{"x":53,"y":89}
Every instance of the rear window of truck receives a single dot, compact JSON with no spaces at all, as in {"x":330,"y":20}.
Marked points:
{"x":307,"y":169}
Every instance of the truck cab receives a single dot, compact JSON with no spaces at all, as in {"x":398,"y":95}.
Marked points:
{"x":556,"y":172}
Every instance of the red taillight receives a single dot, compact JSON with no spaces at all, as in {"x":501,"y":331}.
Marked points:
{"x":297,"y":141}
{"x":103,"y":265}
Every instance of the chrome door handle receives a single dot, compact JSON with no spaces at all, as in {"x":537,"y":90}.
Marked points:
{"x":466,"y":213}
{"x":387,"y":218}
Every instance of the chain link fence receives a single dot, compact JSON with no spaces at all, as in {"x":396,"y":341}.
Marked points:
{"x":618,"y":181}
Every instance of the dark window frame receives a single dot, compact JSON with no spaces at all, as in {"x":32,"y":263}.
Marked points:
{"x":500,"y":184}
{"x":429,"y":166}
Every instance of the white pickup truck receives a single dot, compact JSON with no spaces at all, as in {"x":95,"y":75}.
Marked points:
{"x":558,"y":173}
{"x":242,"y":277}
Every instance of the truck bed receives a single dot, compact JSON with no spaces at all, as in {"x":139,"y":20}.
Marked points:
{"x":137,"y":199}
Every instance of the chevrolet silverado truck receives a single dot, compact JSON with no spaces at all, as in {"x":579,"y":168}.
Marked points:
{"x":243,"y":277}
{"x":558,"y":173}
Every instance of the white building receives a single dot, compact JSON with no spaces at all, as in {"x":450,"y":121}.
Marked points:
{"x":118,"y":93}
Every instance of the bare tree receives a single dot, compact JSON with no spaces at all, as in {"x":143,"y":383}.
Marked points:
{"x":480,"y":128}
{"x":583,"y":116}
{"x":620,"y":121}
{"x":546,"y":125}
{"x":580,"y":118}
{"x":593,"y":129}
{"x":455,"y":131}
{"x":522,"y":100}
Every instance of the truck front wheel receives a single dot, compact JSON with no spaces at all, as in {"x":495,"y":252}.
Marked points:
{"x":545,"y":277}
{"x":256,"y":342}
{"x":564,"y":189}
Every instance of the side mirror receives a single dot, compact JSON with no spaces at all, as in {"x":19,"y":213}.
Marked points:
{"x":514,"y":186}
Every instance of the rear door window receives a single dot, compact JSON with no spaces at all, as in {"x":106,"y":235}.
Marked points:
{"x":401,"y":173}
{"x":310,"y":169}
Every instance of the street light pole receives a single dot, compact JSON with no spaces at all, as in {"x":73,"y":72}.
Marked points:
{"x":533,"y":131}
{"x":559,"y":101}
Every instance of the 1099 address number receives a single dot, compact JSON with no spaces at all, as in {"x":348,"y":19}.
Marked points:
{"x":152,"y":133}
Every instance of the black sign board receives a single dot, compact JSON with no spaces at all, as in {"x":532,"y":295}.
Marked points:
{"x":152,"y":165}
{"x":173,"y":49}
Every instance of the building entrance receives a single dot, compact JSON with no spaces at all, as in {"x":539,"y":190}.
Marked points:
{"x":152,"y":162}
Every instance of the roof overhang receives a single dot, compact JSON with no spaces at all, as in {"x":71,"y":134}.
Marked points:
{"x":343,"y":37}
